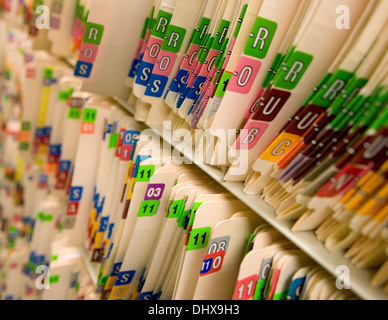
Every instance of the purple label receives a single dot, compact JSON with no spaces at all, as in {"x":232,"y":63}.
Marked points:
{"x":154,"y":192}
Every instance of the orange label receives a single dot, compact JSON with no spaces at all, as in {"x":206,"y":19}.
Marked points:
{"x":280,"y":147}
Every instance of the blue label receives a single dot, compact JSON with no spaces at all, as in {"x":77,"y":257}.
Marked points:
{"x":178,"y":81}
{"x":83,"y":69}
{"x":64,"y":166}
{"x":111,"y":225}
{"x":116,"y":269}
{"x":156,"y":86}
{"x":143,"y":73}
{"x":146,"y":296}
{"x":207,"y":266}
{"x":295,"y":289}
{"x":195,"y":90}
{"x":139,"y":159}
{"x":55,"y":149}
{"x":124,"y":278}
{"x":76,"y":194}
{"x":103,"y":224}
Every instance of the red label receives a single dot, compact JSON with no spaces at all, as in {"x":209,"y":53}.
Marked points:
{"x":305,"y":119}
{"x":72,"y":209}
{"x":273,"y":103}
{"x":245,"y":288}
{"x":343,"y":180}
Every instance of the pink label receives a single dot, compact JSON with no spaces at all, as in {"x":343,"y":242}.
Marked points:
{"x":244,"y":75}
{"x":250,"y":135}
{"x":188,"y":60}
{"x":209,"y":63}
{"x":145,"y":41}
{"x":165,"y":63}
{"x":76,"y":28}
{"x":88,"y":53}
{"x":153,"y":49}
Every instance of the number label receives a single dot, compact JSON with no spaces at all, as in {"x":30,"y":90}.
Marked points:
{"x":199,"y":238}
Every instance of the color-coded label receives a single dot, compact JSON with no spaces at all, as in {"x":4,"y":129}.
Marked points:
{"x":260,"y":38}
{"x":245,"y":288}
{"x":199,"y":238}
{"x":148,"y":208}
{"x":290,"y":74}
{"x":145,"y":173}
{"x":244,"y":75}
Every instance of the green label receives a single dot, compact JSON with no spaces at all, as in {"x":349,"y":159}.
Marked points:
{"x":54,"y":279}
{"x":259,"y":289}
{"x":174,"y":39}
{"x":54,"y":257}
{"x":260,"y":38}
{"x":293,"y":70}
{"x":74,"y":113}
{"x":114,"y":138}
{"x":349,"y":92}
{"x":223,"y":85}
{"x":145,"y":173}
{"x":48,"y":73}
{"x":48,"y":218}
{"x":330,"y":90}
{"x":182,"y":218}
{"x":90,"y":116}
{"x":201,"y":31}
{"x":103,"y":280}
{"x":63,"y":95}
{"x":240,"y":21}
{"x":93,"y":33}
{"x":26,"y":126}
{"x":280,"y":296}
{"x":199,"y":238}
{"x":24,"y":146}
{"x":194,"y":209}
{"x":161,"y":24}
{"x":221,"y":35}
{"x":175,"y":210}
{"x":148,"y":208}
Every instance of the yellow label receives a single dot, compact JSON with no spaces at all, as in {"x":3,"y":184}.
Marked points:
{"x":119,"y":292}
{"x":95,"y":226}
{"x":99,"y":240}
{"x":280,"y":147}
{"x":382,"y":215}
{"x":43,"y":106}
{"x":130,"y":191}
{"x":110,"y":283}
{"x":93,"y":213}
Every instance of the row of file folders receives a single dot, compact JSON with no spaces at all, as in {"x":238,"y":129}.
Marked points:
{"x":302,"y":83}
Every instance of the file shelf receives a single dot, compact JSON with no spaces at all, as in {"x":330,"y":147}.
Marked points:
{"x":306,"y":241}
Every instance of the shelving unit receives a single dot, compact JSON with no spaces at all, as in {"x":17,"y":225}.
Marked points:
{"x":306,"y":241}
{"x":360,"y":279}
